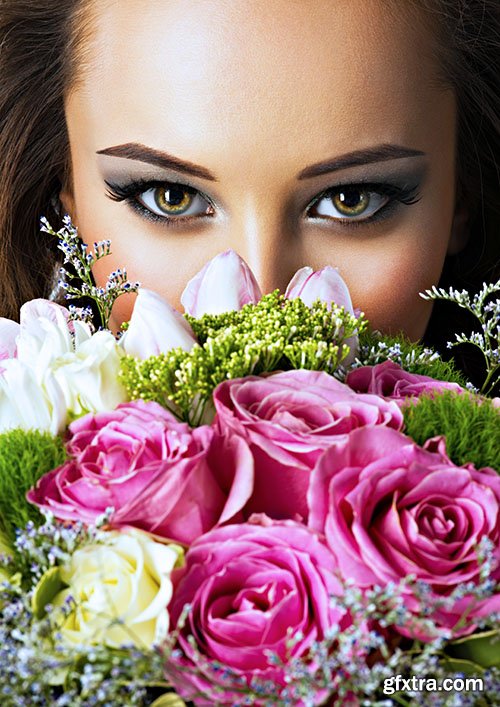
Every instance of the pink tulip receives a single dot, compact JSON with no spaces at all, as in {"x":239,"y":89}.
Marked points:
{"x":325,"y":284}
{"x":155,"y":327}
{"x":226,"y":283}
{"x":328,"y":286}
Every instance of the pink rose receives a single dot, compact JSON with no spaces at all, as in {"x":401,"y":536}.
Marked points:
{"x":157,"y":473}
{"x":389,"y":508}
{"x":250,"y":587}
{"x":288,"y":420}
{"x":393,"y":382}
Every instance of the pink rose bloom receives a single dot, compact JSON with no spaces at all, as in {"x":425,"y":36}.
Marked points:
{"x":249,"y":586}
{"x":393,"y":382}
{"x":288,"y":420}
{"x":389,"y":508}
{"x":157,"y":473}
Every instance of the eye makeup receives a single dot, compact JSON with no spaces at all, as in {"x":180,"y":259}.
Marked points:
{"x":391,"y":196}
{"x":131,"y":192}
{"x":391,"y":191}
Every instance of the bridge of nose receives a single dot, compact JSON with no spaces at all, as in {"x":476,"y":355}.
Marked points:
{"x":267,"y":239}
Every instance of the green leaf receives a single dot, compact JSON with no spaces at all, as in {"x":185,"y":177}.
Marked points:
{"x":457,"y":665}
{"x":169,"y":699}
{"x":45,"y":591}
{"x":483,"y":649}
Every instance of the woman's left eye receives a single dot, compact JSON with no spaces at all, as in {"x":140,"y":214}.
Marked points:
{"x":355,"y":202}
{"x":173,"y":200}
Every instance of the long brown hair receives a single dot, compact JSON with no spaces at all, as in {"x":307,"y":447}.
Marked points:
{"x":37,"y":55}
{"x":39,"y":43}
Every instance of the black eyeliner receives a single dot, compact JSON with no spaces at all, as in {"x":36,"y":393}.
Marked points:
{"x":129,"y":192}
{"x":121,"y":192}
{"x":395,"y":194}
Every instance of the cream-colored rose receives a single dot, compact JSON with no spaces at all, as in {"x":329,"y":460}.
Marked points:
{"x":120,"y":591}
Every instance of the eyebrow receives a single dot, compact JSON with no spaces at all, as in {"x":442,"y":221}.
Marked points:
{"x":379,"y":153}
{"x":142,"y":153}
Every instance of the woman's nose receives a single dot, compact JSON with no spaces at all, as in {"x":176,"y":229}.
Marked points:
{"x":270,"y":249}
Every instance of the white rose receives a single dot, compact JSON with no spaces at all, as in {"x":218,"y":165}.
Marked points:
{"x":27,"y":404}
{"x":88,"y":375}
{"x":120,"y":591}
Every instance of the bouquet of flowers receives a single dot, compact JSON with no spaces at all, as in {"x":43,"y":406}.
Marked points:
{"x":258,"y":502}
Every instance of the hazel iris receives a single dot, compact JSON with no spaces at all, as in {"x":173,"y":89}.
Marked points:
{"x":173,"y":199}
{"x":351,"y":202}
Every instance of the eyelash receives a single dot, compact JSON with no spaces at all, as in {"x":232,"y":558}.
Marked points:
{"x":130,"y":193}
{"x":406,"y":195}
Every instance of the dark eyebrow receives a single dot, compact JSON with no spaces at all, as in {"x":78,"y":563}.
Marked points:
{"x":379,"y":153}
{"x":142,"y":153}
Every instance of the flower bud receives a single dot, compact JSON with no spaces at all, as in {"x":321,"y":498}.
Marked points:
{"x":155,"y":327}
{"x":325,"y":284}
{"x":226,"y":283}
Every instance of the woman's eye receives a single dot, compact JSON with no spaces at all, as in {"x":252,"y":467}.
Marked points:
{"x":349,"y":203}
{"x":174,"y":200}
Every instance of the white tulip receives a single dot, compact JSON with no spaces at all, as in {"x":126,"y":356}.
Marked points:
{"x":155,"y":327}
{"x":9,"y":331}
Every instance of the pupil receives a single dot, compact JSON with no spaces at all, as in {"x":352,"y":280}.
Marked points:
{"x":350,"y":198}
{"x":174,"y":196}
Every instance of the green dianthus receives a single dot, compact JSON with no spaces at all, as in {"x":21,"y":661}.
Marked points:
{"x":471,"y":426}
{"x":24,"y":457}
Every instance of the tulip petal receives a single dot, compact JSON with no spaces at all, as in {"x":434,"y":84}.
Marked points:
{"x":155,"y":327}
{"x":226,"y":283}
{"x":9,"y":331}
{"x":325,"y":284}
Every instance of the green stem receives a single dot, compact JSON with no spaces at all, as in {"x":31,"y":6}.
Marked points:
{"x":486,"y":387}
{"x":400,"y":700}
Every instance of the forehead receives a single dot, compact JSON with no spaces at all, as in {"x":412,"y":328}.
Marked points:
{"x":215,"y":74}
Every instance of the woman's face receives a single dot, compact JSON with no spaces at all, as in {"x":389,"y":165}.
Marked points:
{"x":296,"y":133}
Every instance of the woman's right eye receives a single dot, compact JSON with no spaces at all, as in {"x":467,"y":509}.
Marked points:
{"x":162,"y":201}
{"x":174,"y":200}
